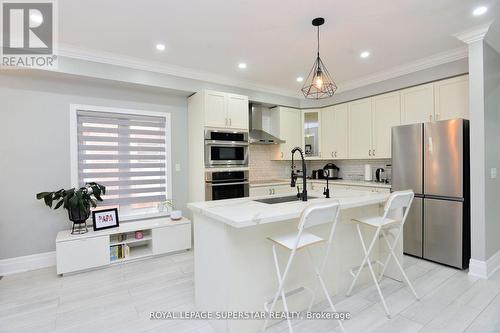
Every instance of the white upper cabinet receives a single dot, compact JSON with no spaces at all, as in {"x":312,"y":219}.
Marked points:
{"x":237,"y":111}
{"x":334,"y":123}
{"x":386,"y":114}
{"x":215,"y":109}
{"x":417,"y":104}
{"x":360,"y":128}
{"x":226,"y":110}
{"x":451,"y":98}
{"x":440,"y":100}
{"x":289,"y":121}
{"x":311,"y":133}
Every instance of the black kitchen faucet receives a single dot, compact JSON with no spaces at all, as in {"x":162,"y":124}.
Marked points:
{"x":293,"y":180}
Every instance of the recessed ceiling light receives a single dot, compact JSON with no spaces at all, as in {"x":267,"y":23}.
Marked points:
{"x":160,"y":47}
{"x":364,"y":54}
{"x":480,"y":11}
{"x":242,"y":65}
{"x":36,"y":18}
{"x":300,"y":79}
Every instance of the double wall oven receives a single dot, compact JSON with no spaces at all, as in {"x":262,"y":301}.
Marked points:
{"x":226,"y":164}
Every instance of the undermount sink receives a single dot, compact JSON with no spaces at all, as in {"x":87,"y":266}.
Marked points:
{"x":277,"y":200}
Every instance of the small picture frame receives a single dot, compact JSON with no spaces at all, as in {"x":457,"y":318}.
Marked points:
{"x":308,"y":149}
{"x":105,"y":219}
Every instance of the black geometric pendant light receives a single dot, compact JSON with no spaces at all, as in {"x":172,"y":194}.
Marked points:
{"x":319,"y":83}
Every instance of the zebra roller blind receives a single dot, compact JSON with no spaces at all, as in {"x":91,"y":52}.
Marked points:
{"x":127,"y":154}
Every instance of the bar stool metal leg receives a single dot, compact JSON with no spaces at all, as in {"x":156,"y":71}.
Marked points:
{"x":363,"y":263}
{"x":367,"y":259}
{"x":280,"y":292}
{"x":393,"y":255}
{"x":323,"y":286}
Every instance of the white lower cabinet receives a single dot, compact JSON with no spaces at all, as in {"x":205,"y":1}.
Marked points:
{"x":272,"y":190}
{"x":260,"y":191}
{"x":171,"y":239}
{"x":93,"y":249}
{"x":317,"y":186}
{"x":80,"y":254}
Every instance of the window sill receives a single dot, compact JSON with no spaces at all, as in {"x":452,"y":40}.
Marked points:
{"x":143,"y":216}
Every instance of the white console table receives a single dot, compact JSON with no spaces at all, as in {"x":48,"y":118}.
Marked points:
{"x":92,"y":249}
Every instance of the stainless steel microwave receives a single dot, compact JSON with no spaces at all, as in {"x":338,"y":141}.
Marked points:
{"x":226,"y":148}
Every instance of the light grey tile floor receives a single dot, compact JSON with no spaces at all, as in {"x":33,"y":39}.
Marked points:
{"x":119,"y":299}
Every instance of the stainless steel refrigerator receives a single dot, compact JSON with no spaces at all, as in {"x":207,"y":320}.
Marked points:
{"x":432,"y":159}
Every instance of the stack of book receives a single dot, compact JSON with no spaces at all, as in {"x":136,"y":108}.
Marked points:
{"x":120,"y":251}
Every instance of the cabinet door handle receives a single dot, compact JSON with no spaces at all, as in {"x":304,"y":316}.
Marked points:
{"x":331,"y":154}
{"x":369,"y":152}
{"x":430,"y":117}
{"x":437,"y":116}
{"x":225,"y":121}
{"x":281,"y":155}
{"x":230,"y":121}
{"x":335,"y":154}
{"x":373,"y":152}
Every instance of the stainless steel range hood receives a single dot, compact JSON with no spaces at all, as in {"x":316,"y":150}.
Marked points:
{"x":257,"y":135}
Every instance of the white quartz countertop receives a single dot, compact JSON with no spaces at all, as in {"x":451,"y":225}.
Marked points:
{"x":245,"y":212}
{"x":346,"y":182}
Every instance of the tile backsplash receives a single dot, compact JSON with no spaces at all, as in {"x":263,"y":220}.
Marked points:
{"x":262,"y":166}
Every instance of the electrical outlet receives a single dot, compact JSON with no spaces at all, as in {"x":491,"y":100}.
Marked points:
{"x":177,"y":167}
{"x":493,"y":173}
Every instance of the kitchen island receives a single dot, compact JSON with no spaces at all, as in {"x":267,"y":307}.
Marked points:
{"x":234,"y":269}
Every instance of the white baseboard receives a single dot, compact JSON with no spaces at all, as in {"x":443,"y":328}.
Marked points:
{"x":27,"y":263}
{"x":485,"y":269}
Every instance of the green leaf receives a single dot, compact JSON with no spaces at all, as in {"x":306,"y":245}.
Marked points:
{"x":42,"y":195}
{"x":73,"y":201}
{"x":48,"y":200}
{"x":59,"y":204}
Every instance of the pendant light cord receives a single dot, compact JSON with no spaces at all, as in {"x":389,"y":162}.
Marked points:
{"x":318,"y":41}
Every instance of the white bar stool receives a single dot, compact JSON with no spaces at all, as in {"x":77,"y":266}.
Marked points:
{"x":397,"y":200}
{"x":312,"y":215}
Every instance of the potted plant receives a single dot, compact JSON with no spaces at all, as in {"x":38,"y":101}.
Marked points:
{"x":169,"y":205}
{"x":77,"y":201}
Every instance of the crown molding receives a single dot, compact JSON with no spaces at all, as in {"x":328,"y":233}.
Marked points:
{"x":108,"y":58}
{"x":188,"y":73}
{"x":474,"y":35}
{"x":415,"y":66}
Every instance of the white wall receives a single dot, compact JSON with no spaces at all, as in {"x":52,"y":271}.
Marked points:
{"x":35,"y":151}
{"x":492,"y":145}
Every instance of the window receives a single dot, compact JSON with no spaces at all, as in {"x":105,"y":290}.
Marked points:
{"x":126,"y":151}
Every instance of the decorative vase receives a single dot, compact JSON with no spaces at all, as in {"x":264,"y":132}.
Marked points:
{"x":176,"y":215}
{"x":79,"y":219}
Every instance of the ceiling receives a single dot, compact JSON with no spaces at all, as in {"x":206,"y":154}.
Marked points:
{"x":275,"y":38}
